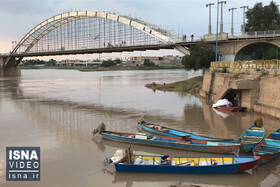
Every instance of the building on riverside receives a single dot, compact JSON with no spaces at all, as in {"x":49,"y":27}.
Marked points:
{"x":77,"y":62}
{"x":160,"y":61}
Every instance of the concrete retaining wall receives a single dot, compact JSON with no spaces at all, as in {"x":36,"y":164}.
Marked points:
{"x":262,"y":93}
{"x":10,"y":69}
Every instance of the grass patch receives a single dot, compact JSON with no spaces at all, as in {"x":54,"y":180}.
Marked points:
{"x":197,"y":90}
{"x":182,"y":87}
{"x":30,"y":67}
{"x":159,"y":67}
{"x":224,"y":70}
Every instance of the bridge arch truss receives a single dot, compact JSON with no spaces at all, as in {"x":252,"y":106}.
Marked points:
{"x":82,"y":30}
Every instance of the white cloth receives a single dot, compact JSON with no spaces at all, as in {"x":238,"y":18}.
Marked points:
{"x":119,"y":154}
{"x":139,"y":160}
{"x":222,"y":102}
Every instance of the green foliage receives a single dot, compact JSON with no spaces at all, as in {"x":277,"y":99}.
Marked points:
{"x":51,"y":62}
{"x":149,"y":63}
{"x":34,"y":62}
{"x":265,"y":52}
{"x":182,"y":87}
{"x":118,"y":61}
{"x":108,"y":63}
{"x":197,"y":90}
{"x":262,"y":18}
{"x":200,"y":57}
{"x":159,"y":67}
{"x":224,"y":70}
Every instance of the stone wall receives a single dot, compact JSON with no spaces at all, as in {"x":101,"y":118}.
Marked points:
{"x":206,"y":84}
{"x":269,"y":97}
{"x":260,"y":93}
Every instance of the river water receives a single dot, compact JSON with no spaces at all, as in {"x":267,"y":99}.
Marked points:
{"x":58,"y":109}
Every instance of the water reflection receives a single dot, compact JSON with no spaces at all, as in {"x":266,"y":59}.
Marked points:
{"x":58,"y":110}
{"x":131,"y":179}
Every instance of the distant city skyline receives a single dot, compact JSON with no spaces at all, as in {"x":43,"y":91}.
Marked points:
{"x":179,"y":16}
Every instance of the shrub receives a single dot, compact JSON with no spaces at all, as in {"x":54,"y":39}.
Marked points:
{"x":149,"y":63}
{"x":182,"y":87}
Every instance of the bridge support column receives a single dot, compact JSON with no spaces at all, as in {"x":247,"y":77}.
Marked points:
{"x":10,"y":69}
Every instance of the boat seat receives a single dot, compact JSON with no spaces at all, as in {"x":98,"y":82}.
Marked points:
{"x":261,"y":152}
{"x":252,"y":140}
{"x":272,"y":140}
{"x":260,"y":130}
{"x":252,"y":137}
{"x":248,"y":141}
{"x":271,"y":146}
{"x":256,"y":128}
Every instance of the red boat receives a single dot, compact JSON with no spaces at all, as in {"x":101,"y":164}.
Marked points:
{"x":232,"y":108}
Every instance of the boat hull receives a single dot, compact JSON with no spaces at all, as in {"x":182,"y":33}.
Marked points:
{"x":214,"y":148}
{"x":269,"y":148}
{"x":211,"y":169}
{"x":179,"y":134}
{"x":248,"y":147}
{"x":233,"y":109}
{"x":255,"y":135}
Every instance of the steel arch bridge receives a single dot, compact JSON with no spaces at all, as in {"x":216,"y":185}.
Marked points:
{"x":80,"y":32}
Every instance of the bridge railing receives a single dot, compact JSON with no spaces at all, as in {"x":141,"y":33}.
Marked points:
{"x":257,"y":34}
{"x":248,"y":64}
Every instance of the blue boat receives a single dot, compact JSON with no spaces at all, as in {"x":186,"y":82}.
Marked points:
{"x":195,"y":165}
{"x":269,"y":148}
{"x":165,"y":131}
{"x":177,"y":143}
{"x":251,"y":138}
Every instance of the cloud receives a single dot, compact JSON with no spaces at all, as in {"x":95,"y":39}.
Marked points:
{"x":27,"y":7}
{"x":17,"y":17}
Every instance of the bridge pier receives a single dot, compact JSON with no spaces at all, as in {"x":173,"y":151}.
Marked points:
{"x":10,"y":69}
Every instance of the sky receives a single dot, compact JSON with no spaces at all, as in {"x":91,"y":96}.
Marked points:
{"x":18,"y":17}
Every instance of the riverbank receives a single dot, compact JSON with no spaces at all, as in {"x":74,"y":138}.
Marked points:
{"x":113,"y":68}
{"x":191,"y":86}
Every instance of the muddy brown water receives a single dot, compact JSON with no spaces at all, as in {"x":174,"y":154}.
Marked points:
{"x":58,"y":109}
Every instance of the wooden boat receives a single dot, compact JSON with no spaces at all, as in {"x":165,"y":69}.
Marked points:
{"x":269,"y":148}
{"x":251,"y":138}
{"x":233,"y":108}
{"x":165,"y":131}
{"x":185,"y":143}
{"x":201,"y":165}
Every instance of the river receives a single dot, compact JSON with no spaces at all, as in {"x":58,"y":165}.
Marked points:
{"x":57,"y":110}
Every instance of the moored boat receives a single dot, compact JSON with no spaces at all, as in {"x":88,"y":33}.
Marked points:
{"x":194,"y":165}
{"x":165,"y":131}
{"x":232,"y":108}
{"x":269,"y":148}
{"x":184,"y":143}
{"x":251,"y":138}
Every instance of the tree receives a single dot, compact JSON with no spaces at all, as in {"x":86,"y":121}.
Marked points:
{"x":265,"y":52}
{"x":108,"y":63}
{"x":51,"y":62}
{"x":200,"y":57}
{"x":118,"y":61}
{"x":147,"y":62}
{"x":262,"y":18}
